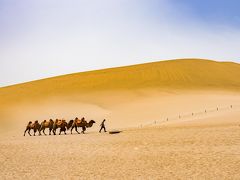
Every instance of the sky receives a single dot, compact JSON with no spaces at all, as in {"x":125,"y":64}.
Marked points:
{"x":45,"y":38}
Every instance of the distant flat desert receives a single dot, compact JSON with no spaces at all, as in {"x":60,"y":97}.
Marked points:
{"x":179,"y":119}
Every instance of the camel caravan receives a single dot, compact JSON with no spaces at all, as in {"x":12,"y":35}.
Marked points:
{"x":58,"y":123}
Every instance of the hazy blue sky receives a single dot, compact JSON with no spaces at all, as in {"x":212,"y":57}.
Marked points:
{"x":42,"y":38}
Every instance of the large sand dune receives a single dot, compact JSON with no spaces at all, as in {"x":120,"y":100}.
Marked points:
{"x":107,"y":92}
{"x":184,"y":74}
{"x":180,"y":120}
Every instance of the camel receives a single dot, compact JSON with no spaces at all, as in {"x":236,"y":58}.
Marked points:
{"x":47,"y":124}
{"x":80,"y":123}
{"x":35,"y":126}
{"x":62,"y":124}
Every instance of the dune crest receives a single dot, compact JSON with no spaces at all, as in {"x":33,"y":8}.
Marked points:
{"x":183,"y":74}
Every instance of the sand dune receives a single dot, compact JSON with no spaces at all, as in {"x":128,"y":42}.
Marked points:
{"x":167,"y":134}
{"x":186,"y":74}
{"x":107,"y":91}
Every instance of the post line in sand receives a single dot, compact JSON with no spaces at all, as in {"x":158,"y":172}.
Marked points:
{"x":195,"y":114}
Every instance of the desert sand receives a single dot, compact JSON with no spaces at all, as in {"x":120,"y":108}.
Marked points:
{"x":207,"y":148}
{"x":179,"y":120}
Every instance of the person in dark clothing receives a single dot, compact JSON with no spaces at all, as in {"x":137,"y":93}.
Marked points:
{"x":102,"y":125}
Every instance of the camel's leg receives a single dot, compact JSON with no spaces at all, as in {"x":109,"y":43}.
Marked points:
{"x":44,"y":131}
{"x":72,"y":129}
{"x":50,"y":129}
{"x":60,"y":131}
{"x":29,"y":132}
{"x":34,"y":132}
{"x":54,"y":131}
{"x":65,"y":132}
{"x":76,"y":130}
{"x":83,"y":129}
{"x":25,"y":131}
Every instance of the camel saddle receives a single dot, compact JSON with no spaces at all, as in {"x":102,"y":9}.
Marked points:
{"x":47,"y":123}
{"x":78,"y":121}
{"x":59,"y":122}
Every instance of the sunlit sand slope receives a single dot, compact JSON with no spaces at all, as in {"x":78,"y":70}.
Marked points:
{"x":175,"y":74}
{"x":133,"y":94}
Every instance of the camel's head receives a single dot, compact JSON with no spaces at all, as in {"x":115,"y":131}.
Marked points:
{"x":91,"y":122}
{"x":36,"y":121}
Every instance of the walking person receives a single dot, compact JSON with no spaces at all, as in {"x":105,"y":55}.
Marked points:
{"x":102,"y":125}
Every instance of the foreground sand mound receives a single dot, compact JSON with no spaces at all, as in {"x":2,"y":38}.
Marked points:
{"x":204,"y":149}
